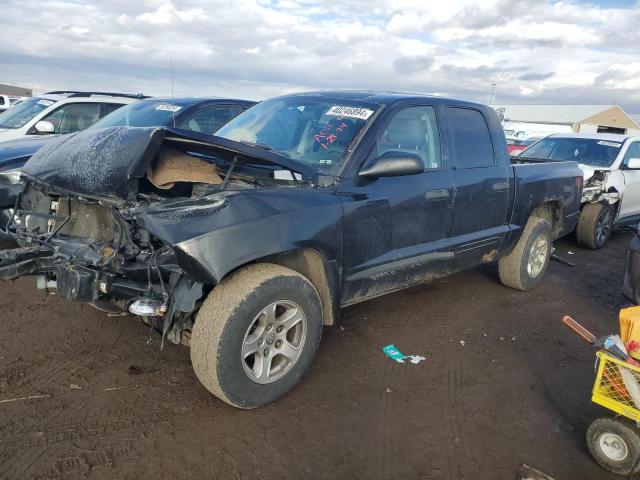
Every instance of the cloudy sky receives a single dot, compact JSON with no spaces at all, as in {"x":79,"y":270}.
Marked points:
{"x":534,"y":51}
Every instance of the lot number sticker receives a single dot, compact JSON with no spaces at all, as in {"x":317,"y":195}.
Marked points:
{"x":352,"y":112}
{"x":609,"y":144}
{"x":167,"y":107}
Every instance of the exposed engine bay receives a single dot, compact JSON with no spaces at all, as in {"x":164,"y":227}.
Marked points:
{"x":80,"y":223}
{"x":87,"y":251}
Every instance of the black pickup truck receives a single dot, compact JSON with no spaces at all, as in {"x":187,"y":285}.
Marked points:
{"x":244,"y":244}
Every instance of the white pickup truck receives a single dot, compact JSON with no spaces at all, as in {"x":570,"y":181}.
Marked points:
{"x":611,"y":167}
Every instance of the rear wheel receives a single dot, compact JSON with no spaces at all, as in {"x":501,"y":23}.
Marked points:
{"x":256,"y":335}
{"x":595,"y":225}
{"x":524,"y":267}
{"x":614,"y":445}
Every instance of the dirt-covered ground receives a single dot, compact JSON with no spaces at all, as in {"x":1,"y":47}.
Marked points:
{"x":503,"y":384}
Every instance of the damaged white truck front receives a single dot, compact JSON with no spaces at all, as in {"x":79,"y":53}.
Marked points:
{"x":611,"y":167}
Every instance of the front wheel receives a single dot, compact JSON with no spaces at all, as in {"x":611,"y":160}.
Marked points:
{"x":524,"y":267}
{"x":614,"y":445}
{"x":595,"y":225}
{"x":256,"y":335}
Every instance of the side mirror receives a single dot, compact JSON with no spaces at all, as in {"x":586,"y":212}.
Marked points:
{"x":393,"y":164}
{"x":44,"y":128}
{"x":633,"y":163}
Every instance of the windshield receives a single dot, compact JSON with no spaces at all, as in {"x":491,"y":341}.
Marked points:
{"x":145,"y":113}
{"x":24,"y":111}
{"x":588,"y":151}
{"x":316,"y":132}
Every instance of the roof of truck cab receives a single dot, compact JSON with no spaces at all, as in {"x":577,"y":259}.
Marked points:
{"x":379,"y":97}
{"x":195,"y":100}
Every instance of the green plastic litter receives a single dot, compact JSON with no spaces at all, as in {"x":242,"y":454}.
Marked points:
{"x":393,"y":353}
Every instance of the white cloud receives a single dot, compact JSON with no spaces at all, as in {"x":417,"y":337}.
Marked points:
{"x":534,"y":51}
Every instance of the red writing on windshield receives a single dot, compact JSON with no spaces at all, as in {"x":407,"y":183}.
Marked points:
{"x":328,"y":134}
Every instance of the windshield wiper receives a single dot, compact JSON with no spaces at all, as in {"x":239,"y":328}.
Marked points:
{"x":268,"y":148}
{"x":533,"y":159}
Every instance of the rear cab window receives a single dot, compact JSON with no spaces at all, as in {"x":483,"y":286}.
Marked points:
{"x":472,"y":143}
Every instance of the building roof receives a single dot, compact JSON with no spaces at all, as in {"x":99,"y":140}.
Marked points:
{"x":561,"y":114}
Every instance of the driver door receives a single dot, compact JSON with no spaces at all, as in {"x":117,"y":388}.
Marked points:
{"x":396,"y":229}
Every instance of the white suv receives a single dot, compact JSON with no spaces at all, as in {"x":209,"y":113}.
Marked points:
{"x":59,"y":113}
{"x":611,"y":167}
{"x":8,"y":101}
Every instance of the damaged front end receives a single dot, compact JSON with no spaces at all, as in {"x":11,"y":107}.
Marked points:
{"x":601,"y":185}
{"x":101,"y":218}
{"x":88,"y":251}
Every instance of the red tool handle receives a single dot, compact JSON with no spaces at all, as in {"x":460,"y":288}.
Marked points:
{"x":585,"y":334}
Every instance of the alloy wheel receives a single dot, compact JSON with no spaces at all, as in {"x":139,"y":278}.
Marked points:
{"x":274,"y":341}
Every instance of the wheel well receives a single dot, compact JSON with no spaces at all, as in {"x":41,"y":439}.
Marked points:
{"x":314,"y":266}
{"x":551,"y":212}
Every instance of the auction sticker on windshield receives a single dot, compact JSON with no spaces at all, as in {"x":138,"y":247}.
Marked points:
{"x":167,"y":107}
{"x":609,"y":144}
{"x":352,"y":112}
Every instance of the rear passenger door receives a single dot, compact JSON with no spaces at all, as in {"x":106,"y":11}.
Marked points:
{"x":482,"y":187}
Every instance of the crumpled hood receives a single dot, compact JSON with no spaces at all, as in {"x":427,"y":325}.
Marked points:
{"x":108,"y":163}
{"x":99,"y":163}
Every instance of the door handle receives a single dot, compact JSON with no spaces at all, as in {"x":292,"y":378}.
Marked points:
{"x":438,"y":193}
{"x":500,"y":186}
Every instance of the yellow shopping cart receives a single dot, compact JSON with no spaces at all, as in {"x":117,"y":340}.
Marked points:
{"x":614,"y":442}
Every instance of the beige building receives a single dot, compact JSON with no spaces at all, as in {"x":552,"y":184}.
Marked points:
{"x":15,"y":91}
{"x":580,"y":118}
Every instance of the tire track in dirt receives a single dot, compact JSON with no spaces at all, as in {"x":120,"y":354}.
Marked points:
{"x":21,"y":449}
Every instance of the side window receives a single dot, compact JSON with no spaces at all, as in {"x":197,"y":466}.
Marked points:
{"x":73,"y":117}
{"x":471,"y":139}
{"x":107,"y":108}
{"x":209,"y":120}
{"x":632,"y":152}
{"x":414,"y":130}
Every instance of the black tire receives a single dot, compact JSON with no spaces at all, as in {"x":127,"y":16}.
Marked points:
{"x":226,"y":318}
{"x":615,"y":432}
{"x":595,"y":225}
{"x":513,"y":268}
